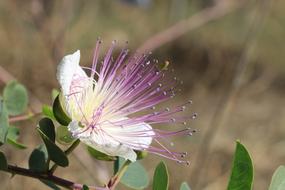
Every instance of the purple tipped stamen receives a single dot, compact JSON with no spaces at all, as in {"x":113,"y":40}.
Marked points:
{"x":126,"y":86}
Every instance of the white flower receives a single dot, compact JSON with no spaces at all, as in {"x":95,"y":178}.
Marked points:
{"x":102,"y":105}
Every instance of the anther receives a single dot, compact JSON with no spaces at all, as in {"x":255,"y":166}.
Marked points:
{"x":194,"y":116}
{"x":155,"y":113}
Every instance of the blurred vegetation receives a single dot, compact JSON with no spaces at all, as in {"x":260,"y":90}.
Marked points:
{"x":35,"y":34}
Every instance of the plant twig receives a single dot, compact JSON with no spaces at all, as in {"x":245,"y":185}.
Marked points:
{"x":199,"y":19}
{"x":67,"y":152}
{"x":35,"y":104}
{"x":57,"y":180}
{"x":116,"y":178}
{"x":22,"y":117}
{"x":227,"y":100}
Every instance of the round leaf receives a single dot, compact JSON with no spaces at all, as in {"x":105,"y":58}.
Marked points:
{"x":3,"y":161}
{"x":54,"y":152}
{"x":135,"y":177}
{"x":47,"y":127}
{"x":278,"y":179}
{"x":160,"y":177}
{"x":16,"y":144}
{"x":242,"y":170}
{"x":13,"y":134}
{"x":38,"y":159}
{"x":16,"y":98}
{"x":184,"y":186}
{"x":4,"y":122}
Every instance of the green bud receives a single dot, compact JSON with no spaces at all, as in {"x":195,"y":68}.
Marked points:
{"x":59,"y":112}
{"x":141,"y":154}
{"x":63,"y":136}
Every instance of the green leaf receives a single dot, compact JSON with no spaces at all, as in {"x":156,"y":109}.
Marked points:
{"x":47,"y":127}
{"x":13,"y":134}
{"x":135,"y":177}
{"x":59,"y":112}
{"x":16,"y":144}
{"x":278,"y":179}
{"x":85,"y":187}
{"x":160,"y":177}
{"x":16,"y":98}
{"x":54,"y":94}
{"x":47,"y":111}
{"x":38,"y":163}
{"x":184,"y":186}
{"x":63,"y":136}
{"x":3,"y":161}
{"x":38,"y":159}
{"x":4,"y":122}
{"x":99,"y":155}
{"x":242,"y":170}
{"x":54,"y":152}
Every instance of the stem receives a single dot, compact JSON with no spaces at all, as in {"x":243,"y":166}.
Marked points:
{"x":67,"y":152}
{"x":116,"y":178}
{"x":22,"y":117}
{"x":72,"y":147}
{"x":43,"y":176}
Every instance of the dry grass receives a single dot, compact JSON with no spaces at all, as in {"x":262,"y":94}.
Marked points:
{"x":32,"y":41}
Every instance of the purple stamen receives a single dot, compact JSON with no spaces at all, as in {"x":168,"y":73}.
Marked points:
{"x":123,"y":87}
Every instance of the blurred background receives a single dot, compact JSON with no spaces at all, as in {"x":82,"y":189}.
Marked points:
{"x":230,"y":55}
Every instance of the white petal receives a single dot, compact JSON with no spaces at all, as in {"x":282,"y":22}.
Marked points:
{"x":102,"y":142}
{"x":67,"y":68}
{"x":112,"y":148}
{"x":139,"y":135}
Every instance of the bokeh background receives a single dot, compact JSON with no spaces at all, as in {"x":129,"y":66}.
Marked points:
{"x":229,"y":53}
